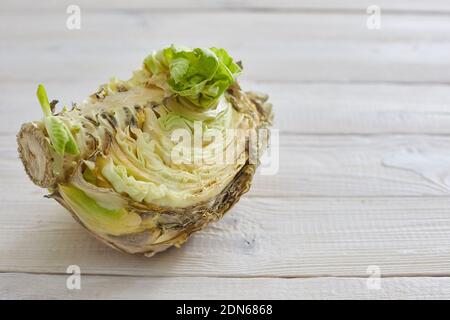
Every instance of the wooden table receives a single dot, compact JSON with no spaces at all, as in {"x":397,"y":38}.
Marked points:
{"x":364,"y":179}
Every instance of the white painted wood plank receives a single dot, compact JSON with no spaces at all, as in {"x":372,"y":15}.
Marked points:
{"x":299,"y":108}
{"x":359,"y":109}
{"x":264,"y":237}
{"x":407,"y":236}
{"x":314,"y":166}
{"x":388,"y":5}
{"x":37,"y":286}
{"x":274,"y":47}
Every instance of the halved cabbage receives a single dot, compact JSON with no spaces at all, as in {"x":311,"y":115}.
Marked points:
{"x":145,"y":162}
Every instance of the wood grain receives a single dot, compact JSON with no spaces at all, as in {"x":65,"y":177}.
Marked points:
{"x":251,"y":5}
{"x":264,"y":237}
{"x":332,"y":47}
{"x":27,"y":286}
{"x":363,"y":175}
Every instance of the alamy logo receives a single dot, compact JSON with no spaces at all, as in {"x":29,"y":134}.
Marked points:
{"x":73,"y":21}
{"x":73,"y":282}
{"x":374,"y":18}
{"x":374,"y":280}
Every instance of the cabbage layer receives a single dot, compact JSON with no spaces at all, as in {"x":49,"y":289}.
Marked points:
{"x":168,"y":137}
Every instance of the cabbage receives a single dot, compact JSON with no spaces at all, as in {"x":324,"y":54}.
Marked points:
{"x":147,"y":161}
{"x":199,"y":75}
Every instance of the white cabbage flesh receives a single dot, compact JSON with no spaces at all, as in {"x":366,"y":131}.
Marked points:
{"x":140,"y":162}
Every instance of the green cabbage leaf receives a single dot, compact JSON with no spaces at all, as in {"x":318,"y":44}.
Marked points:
{"x":199,"y":75}
{"x":60,"y":136}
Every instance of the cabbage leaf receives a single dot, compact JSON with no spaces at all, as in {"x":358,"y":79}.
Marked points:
{"x":60,"y":136}
{"x":199,"y":75}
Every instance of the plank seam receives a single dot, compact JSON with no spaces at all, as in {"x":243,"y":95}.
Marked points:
{"x":251,"y":10}
{"x":414,"y":275}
